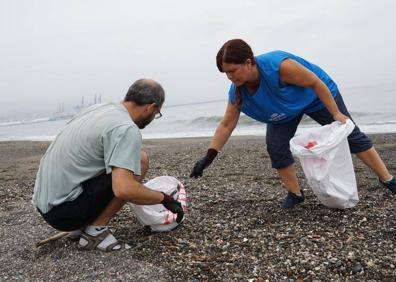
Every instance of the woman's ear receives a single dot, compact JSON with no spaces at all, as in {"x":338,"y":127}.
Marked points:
{"x":248,"y":61}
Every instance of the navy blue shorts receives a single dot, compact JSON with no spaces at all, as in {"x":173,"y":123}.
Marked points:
{"x":279,"y":135}
{"x":97,"y":194}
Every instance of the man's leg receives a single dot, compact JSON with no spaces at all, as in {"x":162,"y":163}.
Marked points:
{"x":116,"y":204}
{"x":98,"y":230}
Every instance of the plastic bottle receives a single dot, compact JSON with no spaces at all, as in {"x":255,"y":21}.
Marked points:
{"x":311,"y":143}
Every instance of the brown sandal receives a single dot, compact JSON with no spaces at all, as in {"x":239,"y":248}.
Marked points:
{"x":94,"y":241}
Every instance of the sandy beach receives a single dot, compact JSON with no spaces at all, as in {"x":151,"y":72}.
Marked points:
{"x":235,"y":229}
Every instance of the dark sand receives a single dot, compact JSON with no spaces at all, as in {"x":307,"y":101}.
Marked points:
{"x":235,"y":229}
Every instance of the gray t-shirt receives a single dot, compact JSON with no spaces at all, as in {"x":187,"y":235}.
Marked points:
{"x":99,"y":138}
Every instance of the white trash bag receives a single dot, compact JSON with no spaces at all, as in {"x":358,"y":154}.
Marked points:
{"x":157,"y":216}
{"x":327,"y":163}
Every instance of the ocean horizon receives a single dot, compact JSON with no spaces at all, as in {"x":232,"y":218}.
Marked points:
{"x":371,"y":107}
{"x":188,"y":121}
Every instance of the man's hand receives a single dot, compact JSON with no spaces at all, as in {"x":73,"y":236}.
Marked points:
{"x":174,"y":206}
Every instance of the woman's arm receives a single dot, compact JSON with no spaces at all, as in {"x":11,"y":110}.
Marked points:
{"x":292,"y":72}
{"x":221,"y":136}
{"x":226,"y":126}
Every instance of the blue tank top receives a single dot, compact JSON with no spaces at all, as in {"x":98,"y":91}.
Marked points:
{"x":275,"y":102}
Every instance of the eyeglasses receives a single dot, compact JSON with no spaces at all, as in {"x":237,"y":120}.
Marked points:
{"x":158,"y":115}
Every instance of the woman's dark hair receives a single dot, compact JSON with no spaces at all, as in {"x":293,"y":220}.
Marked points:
{"x":234,"y":51}
{"x":146,"y":91}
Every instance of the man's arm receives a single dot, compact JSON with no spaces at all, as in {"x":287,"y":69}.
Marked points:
{"x":127,"y":188}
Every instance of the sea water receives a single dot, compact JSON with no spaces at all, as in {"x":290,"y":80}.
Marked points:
{"x":372,"y":108}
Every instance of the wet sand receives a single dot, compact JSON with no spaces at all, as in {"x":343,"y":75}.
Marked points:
{"x":235,"y":229}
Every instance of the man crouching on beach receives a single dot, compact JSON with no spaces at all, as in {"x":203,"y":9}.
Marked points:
{"x":95,"y":165}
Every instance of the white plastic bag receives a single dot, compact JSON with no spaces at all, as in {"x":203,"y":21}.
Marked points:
{"x":327,"y":163}
{"x":157,"y":216}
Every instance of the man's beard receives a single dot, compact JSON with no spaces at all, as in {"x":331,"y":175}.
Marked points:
{"x":143,"y":123}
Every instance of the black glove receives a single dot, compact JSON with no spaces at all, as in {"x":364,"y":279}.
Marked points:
{"x":174,"y":206}
{"x":203,"y":163}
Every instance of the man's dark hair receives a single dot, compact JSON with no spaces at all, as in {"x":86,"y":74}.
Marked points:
{"x":145,"y":91}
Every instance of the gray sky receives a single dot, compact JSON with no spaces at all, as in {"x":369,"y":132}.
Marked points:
{"x":59,"y":51}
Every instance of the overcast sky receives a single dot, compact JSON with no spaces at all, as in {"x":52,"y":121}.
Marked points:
{"x":59,"y":51}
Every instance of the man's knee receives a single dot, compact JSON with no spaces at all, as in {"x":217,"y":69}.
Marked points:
{"x":144,"y":161}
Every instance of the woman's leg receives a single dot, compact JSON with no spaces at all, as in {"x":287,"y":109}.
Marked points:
{"x":359,"y":143}
{"x":289,"y":178}
{"x":278,"y":137}
{"x":371,"y":158}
